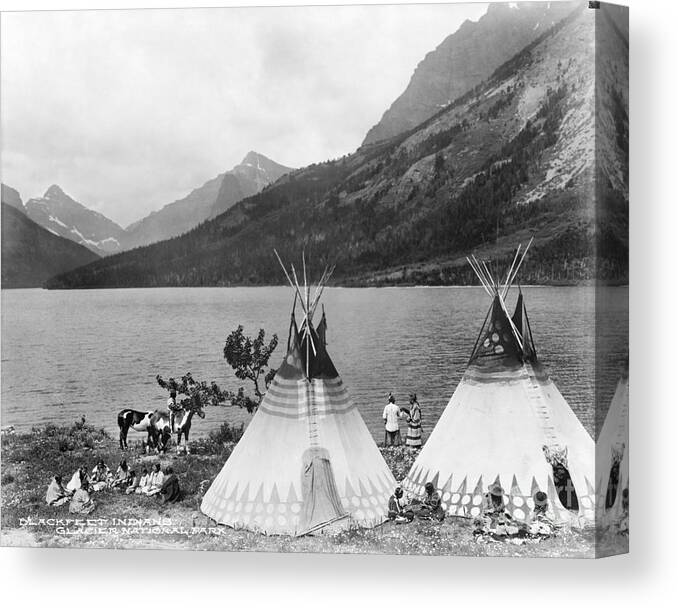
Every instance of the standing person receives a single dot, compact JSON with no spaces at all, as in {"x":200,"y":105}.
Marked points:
{"x":172,"y":407}
{"x":391,"y":427}
{"x":413,"y":438}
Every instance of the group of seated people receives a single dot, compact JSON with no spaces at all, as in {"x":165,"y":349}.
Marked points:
{"x":493,"y":523}
{"x":77,"y":492}
{"x":404,"y":511}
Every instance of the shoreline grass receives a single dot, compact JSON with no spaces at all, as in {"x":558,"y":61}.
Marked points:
{"x":30,"y":460}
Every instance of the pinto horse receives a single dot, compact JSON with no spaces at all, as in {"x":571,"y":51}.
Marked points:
{"x":133,"y":419}
{"x":157,"y":426}
{"x":160,"y":421}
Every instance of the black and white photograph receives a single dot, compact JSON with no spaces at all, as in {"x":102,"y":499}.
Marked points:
{"x":347,"y":279}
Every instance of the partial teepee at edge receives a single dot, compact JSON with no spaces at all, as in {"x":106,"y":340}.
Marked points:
{"x":612,"y":455}
{"x":307,"y":458}
{"x":507,"y":422}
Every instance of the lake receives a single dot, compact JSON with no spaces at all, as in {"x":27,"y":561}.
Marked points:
{"x":71,"y":353}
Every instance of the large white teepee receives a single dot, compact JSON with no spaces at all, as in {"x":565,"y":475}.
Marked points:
{"x":507,"y":422}
{"x":612,"y":455}
{"x":307,"y":459}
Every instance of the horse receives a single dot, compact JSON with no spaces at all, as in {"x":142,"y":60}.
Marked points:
{"x":133,"y":419}
{"x":161,"y":427}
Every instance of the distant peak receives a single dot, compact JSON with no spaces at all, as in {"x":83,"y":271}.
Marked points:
{"x":54,"y":191}
{"x":252,"y":157}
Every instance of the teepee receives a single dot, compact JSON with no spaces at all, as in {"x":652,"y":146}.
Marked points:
{"x":507,"y":422}
{"x":307,"y":459}
{"x":612,"y":455}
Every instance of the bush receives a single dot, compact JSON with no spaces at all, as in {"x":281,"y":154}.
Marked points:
{"x":399,"y":459}
{"x":219,"y":442}
{"x":227,"y":433}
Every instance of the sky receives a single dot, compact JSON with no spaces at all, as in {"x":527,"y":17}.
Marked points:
{"x":129,"y":110}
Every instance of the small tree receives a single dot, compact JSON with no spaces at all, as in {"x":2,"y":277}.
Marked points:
{"x":197,"y":394}
{"x":249,"y":359}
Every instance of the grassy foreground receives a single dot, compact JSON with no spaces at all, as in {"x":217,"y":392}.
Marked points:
{"x":120,"y":521}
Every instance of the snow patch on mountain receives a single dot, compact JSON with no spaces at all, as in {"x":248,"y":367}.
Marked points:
{"x":56,"y":220}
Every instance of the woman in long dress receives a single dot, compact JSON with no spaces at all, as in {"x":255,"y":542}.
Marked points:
{"x":413,"y":439}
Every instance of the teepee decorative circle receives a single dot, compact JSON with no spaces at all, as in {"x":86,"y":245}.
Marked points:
{"x":307,"y":459}
{"x":508,"y":423}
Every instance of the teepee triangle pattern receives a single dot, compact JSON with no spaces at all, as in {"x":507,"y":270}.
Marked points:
{"x":307,"y":458}
{"x":501,"y":415}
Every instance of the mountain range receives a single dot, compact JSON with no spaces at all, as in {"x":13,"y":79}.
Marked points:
{"x":538,"y":148}
{"x":30,"y":253}
{"x":209,"y":200}
{"x":64,"y":216}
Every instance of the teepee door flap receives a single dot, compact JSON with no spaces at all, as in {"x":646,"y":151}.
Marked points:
{"x":321,"y":502}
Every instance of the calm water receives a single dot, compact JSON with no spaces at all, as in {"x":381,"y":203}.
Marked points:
{"x":69,"y":353}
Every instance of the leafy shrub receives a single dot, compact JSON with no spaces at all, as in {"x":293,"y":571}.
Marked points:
{"x":227,"y":433}
{"x":399,"y":459}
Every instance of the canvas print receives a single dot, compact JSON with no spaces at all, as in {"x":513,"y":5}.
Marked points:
{"x":347,"y":279}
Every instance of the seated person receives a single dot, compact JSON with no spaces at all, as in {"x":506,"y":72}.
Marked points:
{"x":431,"y":505}
{"x":101,"y":477}
{"x":57,"y":495}
{"x":132,"y":483}
{"x":540,"y":523}
{"x":493,"y":503}
{"x":170,"y":490}
{"x":155,"y":481}
{"x":78,"y":478}
{"x":82,"y":503}
{"x":396,"y":509}
{"x":121,"y":475}
{"x":494,"y":520}
{"x":144,"y":482}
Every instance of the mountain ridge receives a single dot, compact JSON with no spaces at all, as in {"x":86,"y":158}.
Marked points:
{"x":61,"y":214}
{"x":464,"y":59}
{"x":32,"y":254}
{"x":509,"y":159}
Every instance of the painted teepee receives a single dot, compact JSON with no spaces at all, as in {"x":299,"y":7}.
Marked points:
{"x":307,"y":459}
{"x":612,"y":455}
{"x":507,"y":422}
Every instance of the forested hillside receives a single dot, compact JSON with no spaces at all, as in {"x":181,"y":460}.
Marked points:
{"x":31,"y":254}
{"x":512,"y":158}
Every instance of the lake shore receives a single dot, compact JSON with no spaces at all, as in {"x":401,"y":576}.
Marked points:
{"x":138,"y":522}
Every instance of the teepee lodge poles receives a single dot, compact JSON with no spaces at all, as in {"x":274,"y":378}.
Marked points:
{"x":508,"y":426}
{"x":307,"y":459}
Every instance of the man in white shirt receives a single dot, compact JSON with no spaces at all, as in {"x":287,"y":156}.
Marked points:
{"x":391,"y":427}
